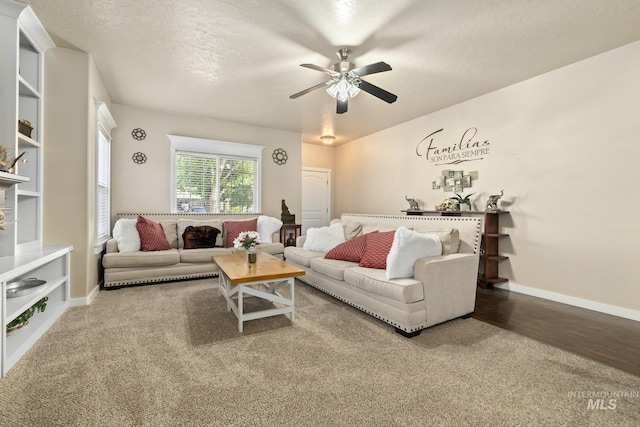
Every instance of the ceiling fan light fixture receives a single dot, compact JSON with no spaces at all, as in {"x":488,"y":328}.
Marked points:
{"x":343,"y":88}
{"x":327,"y":139}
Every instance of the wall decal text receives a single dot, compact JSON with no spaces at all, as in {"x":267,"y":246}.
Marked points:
{"x":467,"y":149}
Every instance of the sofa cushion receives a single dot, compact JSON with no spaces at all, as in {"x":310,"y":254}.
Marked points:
{"x":351,"y":228}
{"x":368,"y":228}
{"x":267,"y":225}
{"x":408,"y":246}
{"x":126,"y":235}
{"x":203,"y":254}
{"x":331,"y":267}
{"x":374,"y":281}
{"x":351,"y":250}
{"x":323,"y":239}
{"x":449,"y":237}
{"x":301,"y":256}
{"x":233,"y":228}
{"x":152,"y":237}
{"x":141,"y":259}
{"x":377,"y":249}
{"x":202,"y":236}
{"x":215,"y":223}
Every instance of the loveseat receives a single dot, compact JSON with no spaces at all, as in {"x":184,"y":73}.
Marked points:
{"x":130,"y":266}
{"x":441,"y":287}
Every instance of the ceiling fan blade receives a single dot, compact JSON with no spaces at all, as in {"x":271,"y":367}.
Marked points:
{"x":312,"y":88}
{"x":318,"y":68}
{"x":377,"y":92}
{"x":342,"y":106}
{"x":378,"y":67}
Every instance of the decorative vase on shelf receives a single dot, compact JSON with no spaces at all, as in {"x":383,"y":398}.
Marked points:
{"x":251,"y":255}
{"x":463,"y":207}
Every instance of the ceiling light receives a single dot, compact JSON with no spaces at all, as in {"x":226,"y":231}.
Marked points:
{"x":344,"y":87}
{"x":327,"y":139}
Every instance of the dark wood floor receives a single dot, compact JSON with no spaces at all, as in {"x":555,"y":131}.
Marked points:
{"x":611,"y":340}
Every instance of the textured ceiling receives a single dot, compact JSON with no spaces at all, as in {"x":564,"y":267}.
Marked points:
{"x":239,"y":60}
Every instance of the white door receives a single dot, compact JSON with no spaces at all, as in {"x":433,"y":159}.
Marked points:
{"x":316,"y":196}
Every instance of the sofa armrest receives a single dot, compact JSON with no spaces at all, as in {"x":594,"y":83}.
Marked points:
{"x":449,"y":283}
{"x":112,"y":246}
{"x":300,"y":241}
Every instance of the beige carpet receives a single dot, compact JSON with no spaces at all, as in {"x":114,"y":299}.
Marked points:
{"x":170,"y":354}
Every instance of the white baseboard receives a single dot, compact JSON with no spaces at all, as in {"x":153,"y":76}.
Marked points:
{"x":577,"y":302}
{"x":79,"y":302}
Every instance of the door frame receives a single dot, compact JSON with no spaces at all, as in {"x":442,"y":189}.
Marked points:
{"x":329,"y":187}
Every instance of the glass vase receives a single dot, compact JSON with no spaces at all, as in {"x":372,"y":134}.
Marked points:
{"x":251,"y":255}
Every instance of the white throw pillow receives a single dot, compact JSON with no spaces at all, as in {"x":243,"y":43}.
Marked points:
{"x":409,"y":246}
{"x":126,"y":235}
{"x":324,"y":239}
{"x":267,"y":225}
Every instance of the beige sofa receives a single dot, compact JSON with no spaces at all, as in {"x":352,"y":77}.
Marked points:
{"x":443,"y":287}
{"x":177,"y":263}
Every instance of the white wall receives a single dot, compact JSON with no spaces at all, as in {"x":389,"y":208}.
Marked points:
{"x":564,"y":147}
{"x":72,"y":85}
{"x":146,"y":188}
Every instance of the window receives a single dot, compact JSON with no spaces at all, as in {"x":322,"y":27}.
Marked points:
{"x":104,"y":125}
{"x":215,"y":176}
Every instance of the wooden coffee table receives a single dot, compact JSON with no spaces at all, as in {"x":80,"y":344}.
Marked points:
{"x":263,"y":279}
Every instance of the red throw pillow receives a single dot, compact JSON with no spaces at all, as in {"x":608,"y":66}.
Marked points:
{"x":234,"y":228}
{"x":152,"y":237}
{"x":378,"y":247}
{"x":351,"y":250}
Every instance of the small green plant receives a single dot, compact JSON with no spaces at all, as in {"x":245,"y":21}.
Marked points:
{"x":462,"y":200}
{"x":28,"y":313}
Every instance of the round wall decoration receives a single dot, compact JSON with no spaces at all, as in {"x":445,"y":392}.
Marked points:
{"x":138,"y":134}
{"x":139,"y":158}
{"x":279,"y":156}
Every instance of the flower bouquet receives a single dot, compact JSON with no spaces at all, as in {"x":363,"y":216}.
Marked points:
{"x":248,"y":240}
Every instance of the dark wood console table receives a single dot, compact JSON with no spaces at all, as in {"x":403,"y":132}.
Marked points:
{"x":489,"y":248}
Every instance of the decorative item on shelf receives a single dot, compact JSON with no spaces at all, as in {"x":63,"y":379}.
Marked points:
{"x":139,"y":158}
{"x":413,"y":204}
{"x":12,"y":168}
{"x":446,"y":205}
{"x":492,"y":202}
{"x":291,"y":241}
{"x":25,"y":127}
{"x":248,"y":240}
{"x":138,"y":134}
{"x":463,"y":203}
{"x":23,"y":320}
{"x":286,"y":216}
{"x":279,"y":156}
{"x":24,"y":287}
{"x":3,"y":156}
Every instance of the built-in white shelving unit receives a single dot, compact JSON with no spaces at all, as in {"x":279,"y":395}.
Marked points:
{"x":23,"y":42}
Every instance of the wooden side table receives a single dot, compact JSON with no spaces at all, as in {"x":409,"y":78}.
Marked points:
{"x":297,"y":231}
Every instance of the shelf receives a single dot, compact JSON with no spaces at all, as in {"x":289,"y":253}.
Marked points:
{"x":494,"y":257}
{"x":16,"y":306}
{"x":25,"y":141}
{"x":26,"y":193}
{"x":27,"y":90}
{"x":9,"y":179}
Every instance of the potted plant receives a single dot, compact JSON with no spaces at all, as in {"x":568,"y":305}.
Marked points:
{"x":463,"y":200}
{"x":23,"y":319}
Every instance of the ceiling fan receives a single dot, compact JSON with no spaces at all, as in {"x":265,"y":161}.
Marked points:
{"x":346,"y":81}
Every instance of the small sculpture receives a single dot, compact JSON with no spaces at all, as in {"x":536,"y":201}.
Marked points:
{"x":446,"y":205}
{"x":286,"y":217}
{"x":492,"y":202}
{"x":413,"y":204}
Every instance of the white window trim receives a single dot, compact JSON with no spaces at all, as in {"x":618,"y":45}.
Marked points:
{"x":223,"y":148}
{"x":105,"y":124}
